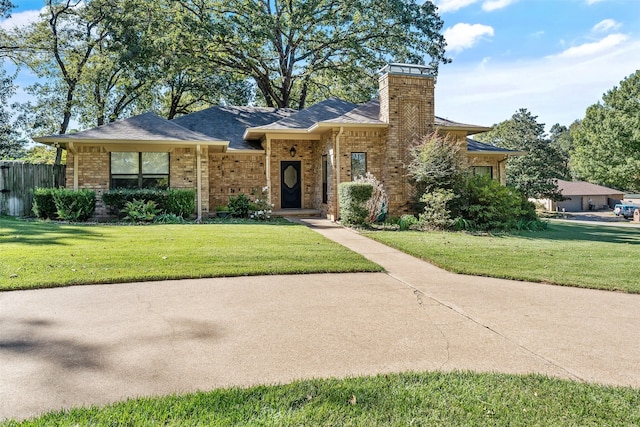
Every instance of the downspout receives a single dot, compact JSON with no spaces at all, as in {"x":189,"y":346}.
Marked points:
{"x":267,"y":170}
{"x":336,"y":199}
{"x":73,"y":151}
{"x":199,"y":182}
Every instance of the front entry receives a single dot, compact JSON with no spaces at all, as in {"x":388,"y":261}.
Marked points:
{"x":290,"y":185}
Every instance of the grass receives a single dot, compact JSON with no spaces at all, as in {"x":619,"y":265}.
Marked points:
{"x":588,"y":256}
{"x":457,"y":398}
{"x":37,"y":254}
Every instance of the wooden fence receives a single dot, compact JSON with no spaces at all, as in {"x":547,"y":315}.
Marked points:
{"x":17,"y":181}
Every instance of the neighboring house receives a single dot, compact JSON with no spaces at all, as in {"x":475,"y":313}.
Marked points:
{"x":580,"y":196}
{"x":299,"y":156}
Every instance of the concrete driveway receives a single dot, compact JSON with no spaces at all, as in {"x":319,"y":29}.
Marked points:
{"x":97,"y":344}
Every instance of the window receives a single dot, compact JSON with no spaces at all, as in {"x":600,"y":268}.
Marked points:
{"x":325,"y":179}
{"x":482,"y":170}
{"x":139,"y":170}
{"x":358,"y":165}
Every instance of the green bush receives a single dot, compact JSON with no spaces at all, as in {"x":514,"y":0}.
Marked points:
{"x":353,"y":202}
{"x":406,"y":221}
{"x":484,"y":204}
{"x":140,"y":211}
{"x":179,"y":202}
{"x":44,"y":206}
{"x":239,"y":206}
{"x":435,"y":214}
{"x":74,"y":205}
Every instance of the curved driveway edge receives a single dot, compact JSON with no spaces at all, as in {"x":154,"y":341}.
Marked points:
{"x":87,"y":345}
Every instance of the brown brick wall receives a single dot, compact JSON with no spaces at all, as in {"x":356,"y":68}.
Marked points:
{"x":231,"y":174}
{"x":407,"y":104}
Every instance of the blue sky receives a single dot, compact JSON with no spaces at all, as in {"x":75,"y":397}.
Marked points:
{"x":553,"y":57}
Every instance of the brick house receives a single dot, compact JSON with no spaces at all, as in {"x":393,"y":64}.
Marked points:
{"x":299,"y":156}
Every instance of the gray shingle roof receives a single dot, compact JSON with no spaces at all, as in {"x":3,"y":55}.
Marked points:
{"x":581,"y":188}
{"x":368,"y":113}
{"x":304,"y":119}
{"x":229,"y":123}
{"x":480,"y":147}
{"x":145,"y":127}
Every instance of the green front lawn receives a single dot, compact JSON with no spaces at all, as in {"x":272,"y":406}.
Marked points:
{"x":437,"y":399}
{"x":589,"y":256}
{"x":44,"y":254}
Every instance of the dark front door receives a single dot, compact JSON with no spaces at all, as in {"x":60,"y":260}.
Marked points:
{"x":290,"y":185}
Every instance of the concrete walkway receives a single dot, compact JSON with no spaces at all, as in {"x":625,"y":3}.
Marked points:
{"x":87,"y":345}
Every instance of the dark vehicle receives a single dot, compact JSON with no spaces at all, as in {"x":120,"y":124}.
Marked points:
{"x":625,"y":210}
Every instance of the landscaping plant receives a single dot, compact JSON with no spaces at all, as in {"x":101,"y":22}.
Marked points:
{"x":353,"y":202}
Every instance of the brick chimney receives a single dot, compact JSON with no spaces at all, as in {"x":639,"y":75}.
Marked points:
{"x":407,"y":105}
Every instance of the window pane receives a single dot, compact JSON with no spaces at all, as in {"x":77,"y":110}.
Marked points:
{"x":155,"y":163}
{"x":124,"y":181}
{"x":155,"y":182}
{"x":482,"y":170}
{"x":358,"y":165}
{"x":124,"y":163}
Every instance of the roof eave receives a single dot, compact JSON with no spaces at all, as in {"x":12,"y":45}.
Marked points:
{"x":506,"y":153}
{"x":332,"y":125}
{"x":471,"y":130}
{"x":96,"y":141}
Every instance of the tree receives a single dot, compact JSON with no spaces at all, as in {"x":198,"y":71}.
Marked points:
{"x":11,"y":147}
{"x":436,"y":162}
{"x":561,"y":140}
{"x":535,"y":173}
{"x":296,"y":49}
{"x":607,"y":141}
{"x":58,"y":49}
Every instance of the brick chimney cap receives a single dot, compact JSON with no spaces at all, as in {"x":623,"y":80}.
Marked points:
{"x":407,"y":69}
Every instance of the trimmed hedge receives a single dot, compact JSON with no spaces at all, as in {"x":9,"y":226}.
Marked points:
{"x":179,"y":202}
{"x":61,"y":203}
{"x":74,"y":205}
{"x":44,"y":206}
{"x":353,"y":202}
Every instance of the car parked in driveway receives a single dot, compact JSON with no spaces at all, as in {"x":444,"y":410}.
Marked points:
{"x":625,"y":210}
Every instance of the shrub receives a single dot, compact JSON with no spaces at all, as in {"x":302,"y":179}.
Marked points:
{"x":260,"y":207}
{"x":487,"y":205}
{"x":74,"y":205}
{"x":44,"y":206}
{"x":239,"y":206}
{"x":180,"y":202}
{"x":378,"y":204}
{"x":169,"y":219}
{"x":353,"y":202}
{"x":435,"y":215}
{"x":139,"y":210}
{"x":406,"y":221}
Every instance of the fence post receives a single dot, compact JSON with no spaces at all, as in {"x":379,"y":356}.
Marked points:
{"x":18,"y":180}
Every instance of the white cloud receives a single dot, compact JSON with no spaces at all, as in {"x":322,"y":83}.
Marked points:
{"x":463,"y":36}
{"x":20,"y":19}
{"x":606,"y":25}
{"x":590,"y":49}
{"x":453,"y":5}
{"x":491,"y":5}
{"x":557,"y":90}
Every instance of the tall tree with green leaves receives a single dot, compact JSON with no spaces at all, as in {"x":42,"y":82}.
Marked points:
{"x":607,"y":141}
{"x":11,"y":146}
{"x":295,"y":50}
{"x":153,"y":47}
{"x":535,"y":173}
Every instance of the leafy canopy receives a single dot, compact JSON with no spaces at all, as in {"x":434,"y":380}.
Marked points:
{"x":535,"y":173}
{"x":300,"y":51}
{"x":607,"y":141}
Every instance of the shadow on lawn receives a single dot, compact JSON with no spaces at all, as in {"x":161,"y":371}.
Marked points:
{"x":587,"y":232}
{"x":42,"y":232}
